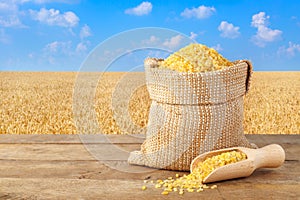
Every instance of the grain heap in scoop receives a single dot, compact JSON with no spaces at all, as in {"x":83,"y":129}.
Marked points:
{"x":193,"y":182}
{"x":195,"y":58}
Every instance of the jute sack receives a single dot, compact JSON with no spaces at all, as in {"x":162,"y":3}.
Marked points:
{"x":192,"y":113}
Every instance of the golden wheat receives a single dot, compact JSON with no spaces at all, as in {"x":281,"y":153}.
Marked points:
{"x":273,"y":103}
{"x":43,"y":102}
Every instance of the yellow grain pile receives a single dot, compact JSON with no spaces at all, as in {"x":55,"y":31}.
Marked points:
{"x":41,"y":103}
{"x":195,"y":58}
{"x":193,"y":182}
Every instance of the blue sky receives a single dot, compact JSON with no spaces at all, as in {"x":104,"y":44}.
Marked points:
{"x":58,"y":35}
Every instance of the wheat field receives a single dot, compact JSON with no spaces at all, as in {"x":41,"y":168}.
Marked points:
{"x":118,"y":103}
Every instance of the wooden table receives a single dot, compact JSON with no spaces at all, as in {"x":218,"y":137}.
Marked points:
{"x":95,"y":167}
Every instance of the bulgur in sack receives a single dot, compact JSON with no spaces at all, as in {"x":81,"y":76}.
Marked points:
{"x":194,"y":109}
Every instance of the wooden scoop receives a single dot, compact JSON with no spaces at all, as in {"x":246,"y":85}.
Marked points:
{"x":270,"y":156}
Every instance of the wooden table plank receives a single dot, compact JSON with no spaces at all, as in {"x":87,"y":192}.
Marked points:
{"x":289,"y":172}
{"x":87,"y":189}
{"x":90,"y":151}
{"x":129,"y":189}
{"x":67,"y":151}
{"x":40,"y":167}
{"x":293,"y":138}
{"x":231,"y":190}
{"x":70,"y":139}
{"x":123,"y":139}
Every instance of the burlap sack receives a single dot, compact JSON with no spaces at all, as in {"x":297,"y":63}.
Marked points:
{"x":192,"y":113}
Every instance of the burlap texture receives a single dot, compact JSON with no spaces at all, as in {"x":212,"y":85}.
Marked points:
{"x":192,"y":113}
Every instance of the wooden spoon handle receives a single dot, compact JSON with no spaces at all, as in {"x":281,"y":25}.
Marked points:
{"x":270,"y":156}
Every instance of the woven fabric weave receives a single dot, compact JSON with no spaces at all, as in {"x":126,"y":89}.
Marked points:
{"x":192,"y":113}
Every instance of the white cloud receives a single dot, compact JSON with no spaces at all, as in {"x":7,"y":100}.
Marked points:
{"x":260,"y":19}
{"x":10,"y":21}
{"x":56,"y":50}
{"x":290,"y":51}
{"x":173,"y":42}
{"x":143,"y":9}
{"x":228,"y":30}
{"x":157,"y":54}
{"x":151,"y":41}
{"x":8,"y":6}
{"x":193,"y":35}
{"x":4,"y":38}
{"x":57,"y":47}
{"x":52,"y":47}
{"x":61,"y":48}
{"x":46,"y":1}
{"x":217,"y":47}
{"x":201,"y":12}
{"x":85,"y":32}
{"x":81,"y":47}
{"x":264,"y":34}
{"x":9,"y":14}
{"x":53,"y":17}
